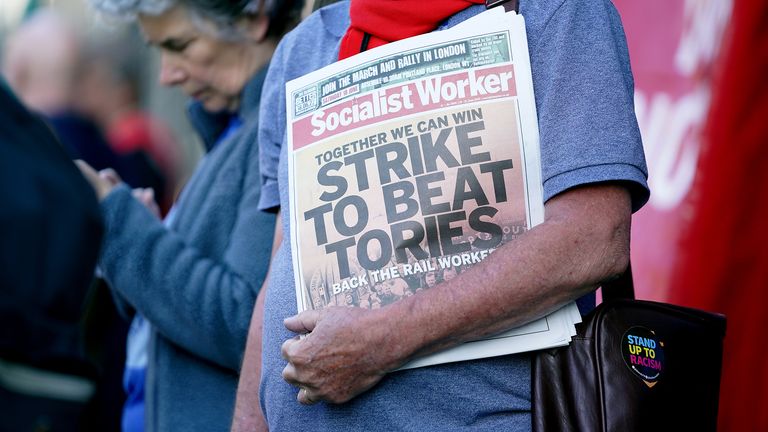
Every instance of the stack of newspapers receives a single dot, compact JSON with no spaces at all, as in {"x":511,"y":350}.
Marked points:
{"x":412,"y":162}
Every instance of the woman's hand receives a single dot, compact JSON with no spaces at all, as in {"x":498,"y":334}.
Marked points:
{"x":102,"y":182}
{"x":146,"y":196}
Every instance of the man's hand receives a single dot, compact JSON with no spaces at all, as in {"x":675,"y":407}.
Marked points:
{"x":341,"y":355}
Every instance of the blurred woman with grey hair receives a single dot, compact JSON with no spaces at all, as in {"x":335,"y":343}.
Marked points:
{"x":191,"y":280}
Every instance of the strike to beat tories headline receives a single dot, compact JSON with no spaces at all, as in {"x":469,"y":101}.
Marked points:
{"x":411,"y":169}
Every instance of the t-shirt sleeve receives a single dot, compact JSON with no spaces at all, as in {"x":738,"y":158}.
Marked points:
{"x":272,"y":131}
{"x":585,"y":100}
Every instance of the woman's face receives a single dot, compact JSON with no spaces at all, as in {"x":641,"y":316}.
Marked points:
{"x":207,"y":68}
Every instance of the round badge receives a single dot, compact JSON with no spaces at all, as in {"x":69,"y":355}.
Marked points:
{"x":643,"y":353}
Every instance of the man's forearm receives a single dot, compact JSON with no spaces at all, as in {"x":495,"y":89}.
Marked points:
{"x":584,"y":241}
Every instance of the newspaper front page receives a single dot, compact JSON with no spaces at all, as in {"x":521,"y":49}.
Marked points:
{"x":412,"y":162}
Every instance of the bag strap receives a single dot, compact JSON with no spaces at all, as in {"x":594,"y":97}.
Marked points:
{"x":621,"y":288}
{"x":508,"y":4}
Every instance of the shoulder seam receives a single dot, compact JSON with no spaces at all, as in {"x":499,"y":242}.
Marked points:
{"x":549,"y":19}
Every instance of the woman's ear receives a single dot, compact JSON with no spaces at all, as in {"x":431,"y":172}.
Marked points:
{"x":257,"y":26}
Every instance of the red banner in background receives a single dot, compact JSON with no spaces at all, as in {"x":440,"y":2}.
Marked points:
{"x":703,"y":239}
{"x":673,"y":45}
{"x":724,"y":261}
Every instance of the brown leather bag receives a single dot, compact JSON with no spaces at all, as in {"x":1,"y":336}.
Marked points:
{"x":633,"y":366}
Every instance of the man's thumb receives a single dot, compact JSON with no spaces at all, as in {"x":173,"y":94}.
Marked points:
{"x":302,"y":323}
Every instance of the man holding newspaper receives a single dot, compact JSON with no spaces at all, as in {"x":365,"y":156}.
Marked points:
{"x":443,"y":195}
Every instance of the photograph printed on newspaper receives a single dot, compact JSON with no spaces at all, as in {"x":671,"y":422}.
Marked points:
{"x":410,"y":163}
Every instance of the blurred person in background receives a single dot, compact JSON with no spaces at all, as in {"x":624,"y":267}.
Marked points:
{"x":51,"y":228}
{"x":192,"y":279}
{"x":108,"y":92}
{"x":41,"y":62}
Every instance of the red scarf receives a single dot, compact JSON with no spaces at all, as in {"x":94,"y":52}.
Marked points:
{"x":391,"y":20}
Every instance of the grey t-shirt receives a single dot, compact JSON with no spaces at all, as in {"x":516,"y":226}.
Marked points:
{"x":584,"y":98}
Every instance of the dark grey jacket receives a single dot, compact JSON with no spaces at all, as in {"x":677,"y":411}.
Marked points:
{"x":51,"y":231}
{"x":197,"y":282}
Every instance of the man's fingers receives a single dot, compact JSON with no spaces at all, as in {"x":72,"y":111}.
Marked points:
{"x":285,"y":349}
{"x":302,"y":323}
{"x":306,"y":397}
{"x":289,"y":375}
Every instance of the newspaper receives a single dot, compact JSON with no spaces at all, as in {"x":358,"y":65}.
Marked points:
{"x":412,"y":162}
